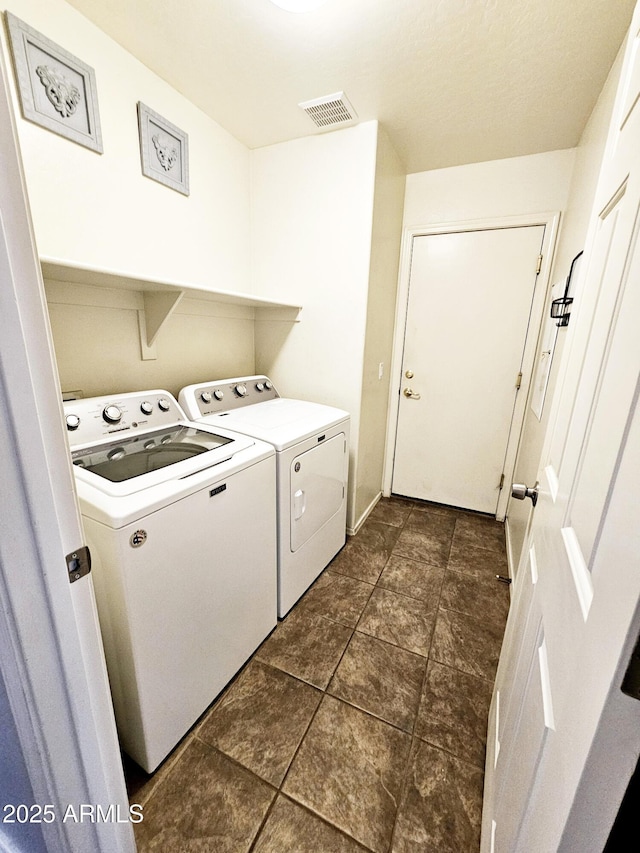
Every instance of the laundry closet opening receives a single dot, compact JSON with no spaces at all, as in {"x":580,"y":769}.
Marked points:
{"x":473,"y":312}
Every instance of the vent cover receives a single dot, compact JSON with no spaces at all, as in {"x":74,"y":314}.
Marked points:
{"x":330,"y":111}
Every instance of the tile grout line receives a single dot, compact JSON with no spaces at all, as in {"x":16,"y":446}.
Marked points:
{"x":415,"y":739}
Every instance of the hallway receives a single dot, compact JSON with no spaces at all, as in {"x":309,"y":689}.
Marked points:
{"x":360,"y":723}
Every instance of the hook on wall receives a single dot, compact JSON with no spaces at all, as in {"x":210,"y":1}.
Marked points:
{"x":561,"y":307}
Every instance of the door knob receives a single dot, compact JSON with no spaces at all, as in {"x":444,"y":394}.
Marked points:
{"x":520,"y":491}
{"x":409,"y":393}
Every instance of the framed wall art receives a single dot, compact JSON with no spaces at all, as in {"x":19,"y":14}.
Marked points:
{"x":164,"y":150}
{"x":57,"y":90}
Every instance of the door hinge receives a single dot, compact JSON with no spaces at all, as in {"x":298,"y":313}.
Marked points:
{"x":78,"y":563}
{"x":518,"y":381}
{"x":538,"y":264}
{"x":501,"y":484}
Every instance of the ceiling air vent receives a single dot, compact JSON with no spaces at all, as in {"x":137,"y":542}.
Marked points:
{"x":330,"y":111}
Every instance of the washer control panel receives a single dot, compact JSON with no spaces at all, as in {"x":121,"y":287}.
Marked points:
{"x":223,"y":395}
{"x":92,"y":419}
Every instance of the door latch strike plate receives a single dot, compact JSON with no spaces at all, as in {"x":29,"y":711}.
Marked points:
{"x":78,"y":563}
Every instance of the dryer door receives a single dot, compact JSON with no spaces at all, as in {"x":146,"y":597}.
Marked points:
{"x":317,"y":483}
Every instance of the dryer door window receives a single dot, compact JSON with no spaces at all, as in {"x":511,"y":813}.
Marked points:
{"x":317,"y":483}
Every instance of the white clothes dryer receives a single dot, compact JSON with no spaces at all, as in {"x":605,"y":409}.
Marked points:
{"x":312,"y":462}
{"x":181,"y":525}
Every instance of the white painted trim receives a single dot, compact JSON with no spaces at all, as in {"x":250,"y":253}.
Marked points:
{"x":50,"y":648}
{"x":357,"y":526}
{"x":545,"y":686}
{"x":579,"y":570}
{"x":511,"y":563}
{"x":533,"y":565}
{"x":59,"y":270}
{"x":551,"y":220}
{"x":552,"y":481}
{"x":496,"y":747}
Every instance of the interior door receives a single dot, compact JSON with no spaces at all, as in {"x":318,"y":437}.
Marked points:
{"x":470,"y":298}
{"x":564,"y":738}
{"x":54,"y":703}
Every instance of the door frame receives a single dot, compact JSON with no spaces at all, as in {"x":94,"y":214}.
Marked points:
{"x":551,"y":220}
{"x":50,"y":647}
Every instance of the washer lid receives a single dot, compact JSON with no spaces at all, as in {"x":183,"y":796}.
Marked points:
{"x":281,"y":422}
{"x":142,"y":461}
{"x":135,"y":455}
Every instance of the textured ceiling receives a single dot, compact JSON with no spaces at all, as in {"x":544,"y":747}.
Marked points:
{"x":452,"y":81}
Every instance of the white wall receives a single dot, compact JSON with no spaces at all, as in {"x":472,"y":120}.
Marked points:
{"x":381,"y":306}
{"x":312,"y":209}
{"x":97,"y":342}
{"x":308,"y":229}
{"x":99,"y":210}
{"x":571,"y":241}
{"x":519,"y":185}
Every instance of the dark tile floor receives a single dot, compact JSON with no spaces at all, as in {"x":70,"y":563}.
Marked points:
{"x":360,"y":723}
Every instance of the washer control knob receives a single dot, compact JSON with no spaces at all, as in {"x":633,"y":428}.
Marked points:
{"x":241,"y":390}
{"x":116,"y":453}
{"x":260,"y":386}
{"x":112,"y":414}
{"x":73,"y":422}
{"x":163,"y":404}
{"x":218,"y":394}
{"x":268,"y":385}
{"x":205,"y":396}
{"x":146,"y":408}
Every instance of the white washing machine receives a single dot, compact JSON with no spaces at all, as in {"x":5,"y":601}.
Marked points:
{"x":312,"y":461}
{"x":181,"y":524}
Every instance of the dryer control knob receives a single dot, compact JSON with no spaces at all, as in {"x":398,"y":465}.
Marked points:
{"x":111,"y":414}
{"x":260,"y":386}
{"x":163,"y":404}
{"x":268,"y":385}
{"x":146,"y":408}
{"x":73,"y":422}
{"x":241,"y":390}
{"x":205,"y":397}
{"x":218,"y":394}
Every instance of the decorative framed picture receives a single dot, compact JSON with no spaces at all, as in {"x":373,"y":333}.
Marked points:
{"x":164,"y":150}
{"x":57,"y":90}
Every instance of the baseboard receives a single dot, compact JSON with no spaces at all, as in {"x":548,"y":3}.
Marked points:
{"x":351,"y":531}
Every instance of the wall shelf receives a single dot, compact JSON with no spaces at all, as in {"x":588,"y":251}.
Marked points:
{"x":161,"y":298}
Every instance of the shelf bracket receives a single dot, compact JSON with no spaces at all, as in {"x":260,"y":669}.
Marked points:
{"x":158,"y":307}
